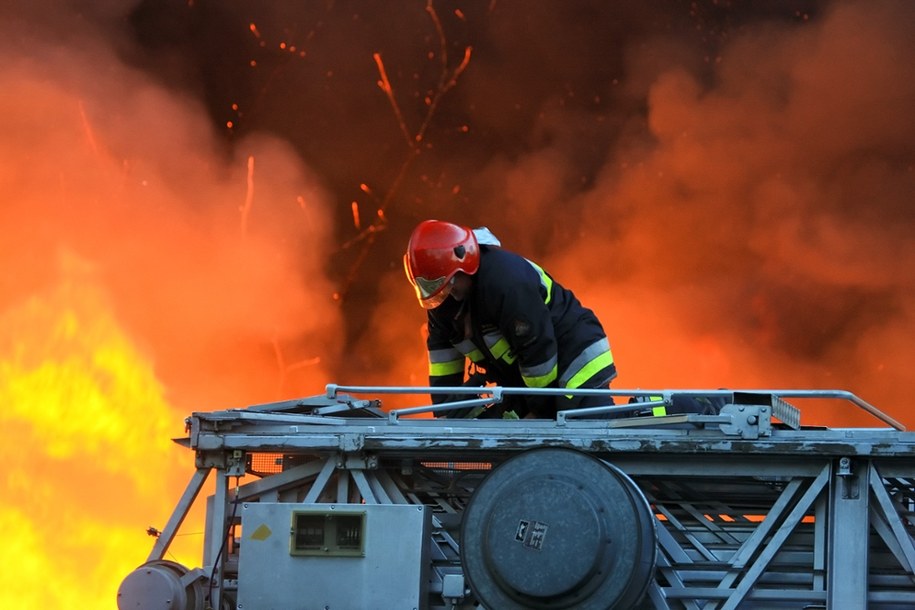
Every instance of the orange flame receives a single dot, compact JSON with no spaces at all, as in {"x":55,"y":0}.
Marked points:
{"x":87,"y":457}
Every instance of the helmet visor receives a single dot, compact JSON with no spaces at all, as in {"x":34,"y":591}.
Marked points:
{"x":429,"y":293}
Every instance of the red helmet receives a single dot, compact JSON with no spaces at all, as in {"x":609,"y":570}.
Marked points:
{"x":437,"y":250}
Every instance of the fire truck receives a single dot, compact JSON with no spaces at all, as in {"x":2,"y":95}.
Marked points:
{"x":332,"y":502}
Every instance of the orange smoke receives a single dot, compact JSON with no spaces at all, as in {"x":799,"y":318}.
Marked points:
{"x":751,"y":230}
{"x":145,"y":275}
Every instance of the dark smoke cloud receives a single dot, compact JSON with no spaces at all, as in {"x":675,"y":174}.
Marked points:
{"x":771,"y":206}
{"x":744,"y":168}
{"x":743,"y":171}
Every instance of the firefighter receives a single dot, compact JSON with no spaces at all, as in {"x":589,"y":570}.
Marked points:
{"x":516,"y":325}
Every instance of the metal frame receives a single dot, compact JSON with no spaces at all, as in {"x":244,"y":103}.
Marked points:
{"x":753,"y":510}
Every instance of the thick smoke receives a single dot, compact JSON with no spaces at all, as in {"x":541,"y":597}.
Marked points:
{"x":147,"y":271}
{"x":735,"y":204}
{"x":213,"y":255}
{"x":768,"y":216}
{"x":206,"y":204}
{"x":749,"y":228}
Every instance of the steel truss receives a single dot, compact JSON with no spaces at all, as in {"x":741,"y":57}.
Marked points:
{"x":751,"y":509}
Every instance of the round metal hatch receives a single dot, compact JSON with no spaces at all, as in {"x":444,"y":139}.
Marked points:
{"x":161,"y":585}
{"x":556,"y":528}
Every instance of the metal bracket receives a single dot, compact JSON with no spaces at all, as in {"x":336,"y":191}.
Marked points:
{"x":747,"y":421}
{"x":235,"y":463}
{"x":845,"y":470}
{"x":232,"y":462}
{"x":357,"y":462}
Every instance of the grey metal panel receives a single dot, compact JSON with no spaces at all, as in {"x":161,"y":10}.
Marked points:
{"x":392,"y":574}
{"x":749,"y":516}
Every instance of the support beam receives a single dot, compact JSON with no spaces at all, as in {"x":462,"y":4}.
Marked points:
{"x":848,"y":535}
{"x":165,"y":538}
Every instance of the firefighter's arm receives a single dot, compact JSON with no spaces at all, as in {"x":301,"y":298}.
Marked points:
{"x":446,"y":363}
{"x":525,"y":321}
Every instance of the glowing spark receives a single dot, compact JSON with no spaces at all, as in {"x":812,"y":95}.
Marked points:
{"x":460,"y":69}
{"x":447,"y":80}
{"x":355,"y":207}
{"x":254,"y":31}
{"x":385,"y":86}
{"x":249,"y":197}
{"x":90,"y":136}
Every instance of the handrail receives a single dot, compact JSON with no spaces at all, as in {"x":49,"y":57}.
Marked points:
{"x":497,"y":392}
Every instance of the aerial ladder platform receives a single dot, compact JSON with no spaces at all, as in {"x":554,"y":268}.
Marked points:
{"x":332,"y":502}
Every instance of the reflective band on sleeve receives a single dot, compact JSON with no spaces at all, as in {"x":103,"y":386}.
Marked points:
{"x":499,"y":348}
{"x":444,"y":355}
{"x":470,"y":350}
{"x":602,"y":361}
{"x":533,"y":380}
{"x":441,"y":369}
{"x":447,"y":361}
{"x":545,"y":281}
{"x":659,"y":411}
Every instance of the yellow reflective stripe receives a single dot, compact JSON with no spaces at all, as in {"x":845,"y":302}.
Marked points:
{"x":545,"y":280}
{"x":439,"y":369}
{"x":470,"y":350}
{"x":543,"y":380}
{"x":502,"y":350}
{"x":539,"y":370}
{"x":499,"y":347}
{"x":658,"y":411}
{"x":602,"y":361}
{"x":581,"y":361}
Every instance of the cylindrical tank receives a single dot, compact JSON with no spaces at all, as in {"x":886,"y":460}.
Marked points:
{"x":556,"y":528}
{"x":162,"y":585}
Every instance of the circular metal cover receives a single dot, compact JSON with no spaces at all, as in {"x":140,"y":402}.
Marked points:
{"x":557,"y":528}
{"x":154,"y":586}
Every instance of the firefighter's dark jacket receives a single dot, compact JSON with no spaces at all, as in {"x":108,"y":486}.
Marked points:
{"x":525,"y":330}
